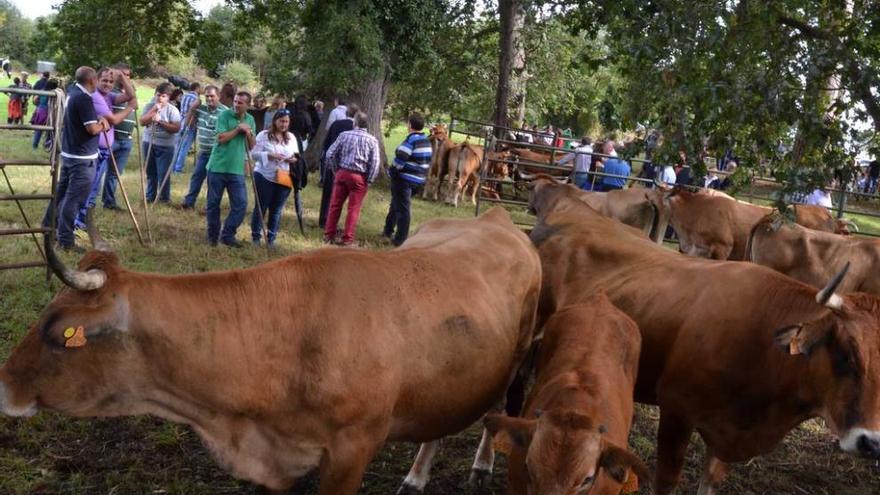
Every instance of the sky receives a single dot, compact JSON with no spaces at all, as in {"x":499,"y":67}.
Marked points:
{"x":36,"y":8}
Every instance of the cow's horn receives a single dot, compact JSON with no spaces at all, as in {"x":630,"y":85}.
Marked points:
{"x":849,"y":223}
{"x":826,"y":296}
{"x":85,"y":281}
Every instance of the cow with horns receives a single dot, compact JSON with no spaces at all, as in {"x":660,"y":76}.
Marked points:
{"x":355,"y":348}
{"x":735,"y":351}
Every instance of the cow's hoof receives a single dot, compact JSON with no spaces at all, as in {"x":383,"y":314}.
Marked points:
{"x":479,"y":480}
{"x":406,"y":489}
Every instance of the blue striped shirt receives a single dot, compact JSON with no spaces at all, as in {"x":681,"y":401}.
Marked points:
{"x":413,"y":158}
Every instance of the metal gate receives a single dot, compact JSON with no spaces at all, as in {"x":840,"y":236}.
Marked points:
{"x":56,"y":113}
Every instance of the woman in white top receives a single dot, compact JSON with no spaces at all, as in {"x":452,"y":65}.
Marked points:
{"x":275,"y":150}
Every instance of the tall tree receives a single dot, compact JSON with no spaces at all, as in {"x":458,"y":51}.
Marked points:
{"x":15,"y":34}
{"x":140,"y":32}
{"x":510,"y":90}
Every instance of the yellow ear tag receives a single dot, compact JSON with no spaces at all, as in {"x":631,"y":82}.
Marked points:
{"x":68,"y":332}
{"x":76,"y":339}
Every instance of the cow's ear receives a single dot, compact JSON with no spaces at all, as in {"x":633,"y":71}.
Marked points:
{"x":73,"y":326}
{"x":616,"y":461}
{"x":803,"y":338}
{"x":519,"y":430}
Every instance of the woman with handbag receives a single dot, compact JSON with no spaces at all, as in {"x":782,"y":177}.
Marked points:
{"x":275,"y":152}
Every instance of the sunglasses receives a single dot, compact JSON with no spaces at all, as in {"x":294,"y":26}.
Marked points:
{"x":283,"y":112}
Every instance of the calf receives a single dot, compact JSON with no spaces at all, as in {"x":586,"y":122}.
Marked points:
{"x":464,"y":166}
{"x":441,"y":144}
{"x":572,"y":437}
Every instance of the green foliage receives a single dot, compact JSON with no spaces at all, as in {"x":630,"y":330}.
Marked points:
{"x":752,"y":76}
{"x":15,"y":32}
{"x":223,"y":36}
{"x":240,"y":73}
{"x":104,"y":32}
{"x":184,"y":65}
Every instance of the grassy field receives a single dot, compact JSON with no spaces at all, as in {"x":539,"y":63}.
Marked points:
{"x":52,"y":454}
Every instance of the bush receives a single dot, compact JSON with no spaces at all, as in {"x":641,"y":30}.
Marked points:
{"x":239,"y":73}
{"x":183,"y":65}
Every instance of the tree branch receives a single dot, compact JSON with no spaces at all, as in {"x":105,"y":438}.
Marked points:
{"x":804,"y":28}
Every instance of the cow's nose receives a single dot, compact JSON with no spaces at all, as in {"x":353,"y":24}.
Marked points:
{"x":868,"y":446}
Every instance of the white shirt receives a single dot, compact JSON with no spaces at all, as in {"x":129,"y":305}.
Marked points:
{"x":820,"y":198}
{"x":337,"y":113}
{"x":668,"y":175}
{"x":582,"y":158}
{"x":265,"y":166}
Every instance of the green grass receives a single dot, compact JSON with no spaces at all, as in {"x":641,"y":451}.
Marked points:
{"x":53,"y":454}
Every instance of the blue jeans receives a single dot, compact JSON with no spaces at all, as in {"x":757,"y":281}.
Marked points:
{"x":197,"y":179}
{"x":399,"y":211}
{"x":234,"y":185}
{"x":74,"y":184}
{"x":121,"y":151}
{"x":38,"y":134}
{"x":271,"y":198}
{"x":103,"y":162}
{"x":157,"y":167}
{"x":580,"y":179}
{"x":186,"y":139}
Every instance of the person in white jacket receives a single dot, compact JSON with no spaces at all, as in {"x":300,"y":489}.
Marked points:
{"x":276,"y":149}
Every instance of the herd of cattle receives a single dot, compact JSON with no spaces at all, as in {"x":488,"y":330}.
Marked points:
{"x":312,"y":362}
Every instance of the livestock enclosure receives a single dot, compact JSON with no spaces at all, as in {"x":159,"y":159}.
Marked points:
{"x":52,"y":454}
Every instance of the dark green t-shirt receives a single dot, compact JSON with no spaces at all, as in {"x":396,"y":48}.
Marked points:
{"x":229,"y":157}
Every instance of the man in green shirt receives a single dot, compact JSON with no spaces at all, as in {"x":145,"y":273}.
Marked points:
{"x":226,"y":169}
{"x":204,"y":119}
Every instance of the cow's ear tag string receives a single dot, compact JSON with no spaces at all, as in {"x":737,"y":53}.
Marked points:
{"x":74,"y":337}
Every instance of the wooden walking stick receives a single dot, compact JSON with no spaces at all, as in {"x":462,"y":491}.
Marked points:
{"x":250,"y":171}
{"x":137,"y":228}
{"x":143,"y":165}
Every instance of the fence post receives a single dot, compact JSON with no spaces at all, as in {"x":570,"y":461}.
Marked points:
{"x":841,"y":204}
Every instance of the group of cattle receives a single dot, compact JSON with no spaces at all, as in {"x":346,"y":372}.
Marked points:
{"x":314,"y":361}
{"x":457,"y":166}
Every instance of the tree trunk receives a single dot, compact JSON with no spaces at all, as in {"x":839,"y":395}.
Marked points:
{"x":511,"y":62}
{"x":371,"y":95}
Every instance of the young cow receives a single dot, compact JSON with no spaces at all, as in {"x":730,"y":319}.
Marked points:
{"x":572,"y":436}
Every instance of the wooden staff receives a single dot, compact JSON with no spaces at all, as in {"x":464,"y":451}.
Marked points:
{"x":137,"y":228}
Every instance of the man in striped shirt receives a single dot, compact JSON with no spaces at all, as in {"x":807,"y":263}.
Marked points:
{"x":122,"y":141}
{"x":188,"y":133}
{"x":355,"y":159}
{"x":204,"y":119}
{"x":408,"y":172}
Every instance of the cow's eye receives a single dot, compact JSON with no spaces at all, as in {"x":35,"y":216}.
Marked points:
{"x":585,"y":485}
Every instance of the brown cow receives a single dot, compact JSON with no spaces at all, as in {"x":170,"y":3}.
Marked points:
{"x":573,"y":434}
{"x":441,"y":144}
{"x":464,"y":167}
{"x":735,"y":351}
{"x":718,"y":228}
{"x":309,"y":362}
{"x":631,"y":206}
{"x":812,"y":256}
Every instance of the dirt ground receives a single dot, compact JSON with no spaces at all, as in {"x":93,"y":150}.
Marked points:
{"x":59,"y":455}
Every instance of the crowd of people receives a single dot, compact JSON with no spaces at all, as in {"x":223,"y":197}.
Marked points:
{"x":235,"y":135}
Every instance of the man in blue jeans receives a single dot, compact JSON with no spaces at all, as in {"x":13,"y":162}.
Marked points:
{"x":204,"y":117}
{"x":408,"y":172}
{"x":163,"y":121}
{"x":122,"y":140}
{"x":226,"y":169}
{"x":188,"y":132}
{"x":79,"y":150}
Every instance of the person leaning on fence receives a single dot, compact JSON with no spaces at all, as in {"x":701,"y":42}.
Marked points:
{"x":79,"y":150}
{"x":41,"y":116}
{"x":122,"y":134}
{"x":616,"y":167}
{"x":187,"y":134}
{"x":408,"y":173}
{"x":327,"y":175}
{"x":582,"y":157}
{"x":13,"y":108}
{"x":204,"y":119}
{"x":355,"y":159}
{"x":275,"y":151}
{"x":226,"y":170}
{"x":103,"y":100}
{"x":162,"y":121}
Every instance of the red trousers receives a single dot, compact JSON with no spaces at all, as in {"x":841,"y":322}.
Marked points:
{"x":353,"y":187}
